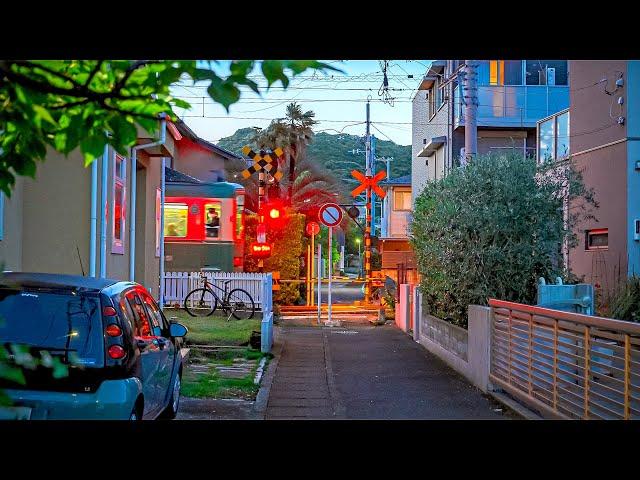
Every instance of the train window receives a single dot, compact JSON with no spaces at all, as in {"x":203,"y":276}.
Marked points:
{"x":239,"y":216}
{"x":175,"y":220}
{"x":212,"y":220}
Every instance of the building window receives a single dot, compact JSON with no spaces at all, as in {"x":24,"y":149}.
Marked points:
{"x":402,"y":200}
{"x":212,"y":221}
{"x":553,"y":138}
{"x":547,"y":72}
{"x":119,"y":203}
{"x":239,"y":216}
{"x":597,"y":239}
{"x":562,"y":135}
{"x":175,"y":219}
{"x":500,"y":72}
{"x":158,"y":220}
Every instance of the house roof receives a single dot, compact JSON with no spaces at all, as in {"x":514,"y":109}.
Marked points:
{"x":404,"y":180}
{"x":187,"y":132}
{"x":174,"y":176}
{"x":44,"y":280}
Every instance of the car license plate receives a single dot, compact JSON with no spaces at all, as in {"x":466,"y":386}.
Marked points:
{"x":15,"y":413}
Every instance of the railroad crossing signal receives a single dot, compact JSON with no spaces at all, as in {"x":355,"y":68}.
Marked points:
{"x":368,"y":182}
{"x":275,"y":278}
{"x":263,"y":162}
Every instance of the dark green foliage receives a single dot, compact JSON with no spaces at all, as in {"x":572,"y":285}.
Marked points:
{"x":491,"y":229}
{"x":287,"y":248}
{"x":66,"y":104}
{"x":333,"y":152}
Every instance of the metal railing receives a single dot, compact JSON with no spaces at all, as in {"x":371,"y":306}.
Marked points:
{"x":566,"y":365}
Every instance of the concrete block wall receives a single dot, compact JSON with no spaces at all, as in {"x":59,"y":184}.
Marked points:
{"x":466,"y":351}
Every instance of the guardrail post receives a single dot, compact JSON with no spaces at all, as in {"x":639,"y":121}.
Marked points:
{"x":479,"y":345}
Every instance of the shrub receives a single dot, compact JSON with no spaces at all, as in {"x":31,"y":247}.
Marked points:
{"x":287,"y":246}
{"x":625,"y":303}
{"x":492,"y":228}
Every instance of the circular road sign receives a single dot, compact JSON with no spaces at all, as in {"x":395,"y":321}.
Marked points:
{"x":313,"y":228}
{"x":330,"y":214}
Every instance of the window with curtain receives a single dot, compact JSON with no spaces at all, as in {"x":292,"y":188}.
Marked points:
{"x":402,"y":200}
{"x":119,"y":204}
{"x":505,"y":72}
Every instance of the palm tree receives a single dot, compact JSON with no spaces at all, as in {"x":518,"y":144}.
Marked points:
{"x":292,"y":133}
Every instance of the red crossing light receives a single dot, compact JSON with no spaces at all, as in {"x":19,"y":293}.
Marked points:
{"x":260,"y":250}
{"x":274,"y":213}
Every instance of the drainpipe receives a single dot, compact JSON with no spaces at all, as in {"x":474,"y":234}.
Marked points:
{"x":132,"y":209}
{"x":94,"y":218}
{"x":162,"y":192}
{"x":103,"y":213}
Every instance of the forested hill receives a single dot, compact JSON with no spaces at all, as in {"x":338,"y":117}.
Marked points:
{"x":335,"y":152}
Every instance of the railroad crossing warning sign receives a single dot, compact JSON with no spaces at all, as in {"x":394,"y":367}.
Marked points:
{"x":368,"y":181}
{"x":275,"y":277}
{"x":330,"y":214}
{"x":263,"y":162}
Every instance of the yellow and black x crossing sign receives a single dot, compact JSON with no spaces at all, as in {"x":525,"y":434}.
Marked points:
{"x":263,"y":161}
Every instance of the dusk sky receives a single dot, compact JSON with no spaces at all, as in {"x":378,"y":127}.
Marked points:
{"x":337,"y":99}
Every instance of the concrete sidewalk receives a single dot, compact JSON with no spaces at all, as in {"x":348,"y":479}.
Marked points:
{"x":366,"y":372}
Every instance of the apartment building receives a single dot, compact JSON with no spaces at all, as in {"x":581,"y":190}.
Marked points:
{"x":600,"y":133}
{"x":512,"y":95}
{"x":398,"y":259}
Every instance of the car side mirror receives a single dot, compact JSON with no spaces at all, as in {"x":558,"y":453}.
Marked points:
{"x":177,"y":330}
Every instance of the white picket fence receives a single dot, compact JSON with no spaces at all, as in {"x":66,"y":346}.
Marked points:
{"x":177,"y":285}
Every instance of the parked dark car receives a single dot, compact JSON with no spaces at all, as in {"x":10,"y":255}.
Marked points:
{"x":123,"y":356}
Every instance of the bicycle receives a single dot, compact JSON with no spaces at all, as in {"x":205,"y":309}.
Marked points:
{"x":203,"y":301}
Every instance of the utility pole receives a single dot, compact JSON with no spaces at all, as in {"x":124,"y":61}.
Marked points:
{"x":261,"y":229}
{"x":470,"y":111}
{"x":368,"y":225}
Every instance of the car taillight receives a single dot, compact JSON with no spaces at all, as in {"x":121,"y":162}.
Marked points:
{"x":116,"y":352}
{"x":113,"y":330}
{"x":109,"y":312}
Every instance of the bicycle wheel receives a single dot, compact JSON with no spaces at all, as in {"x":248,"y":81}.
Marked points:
{"x":200,"y":303}
{"x":241,"y":304}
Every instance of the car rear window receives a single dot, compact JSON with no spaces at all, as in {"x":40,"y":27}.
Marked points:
{"x":66,"y":323}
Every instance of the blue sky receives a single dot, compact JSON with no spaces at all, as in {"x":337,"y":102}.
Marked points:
{"x":339,"y":101}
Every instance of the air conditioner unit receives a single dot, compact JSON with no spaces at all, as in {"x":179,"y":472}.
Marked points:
{"x":551,"y":76}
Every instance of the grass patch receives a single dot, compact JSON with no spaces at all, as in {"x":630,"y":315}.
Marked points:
{"x":215,"y":330}
{"x":211,"y":385}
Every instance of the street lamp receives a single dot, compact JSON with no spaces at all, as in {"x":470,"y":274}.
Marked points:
{"x":359,"y":258}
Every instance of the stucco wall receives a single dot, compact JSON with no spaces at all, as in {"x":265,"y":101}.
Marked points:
{"x":56,"y":216}
{"x":47,"y":217}
{"x":604,"y":169}
{"x":11,"y":243}
{"x":423,"y":128}
{"x":197,"y":161}
{"x":633,"y":155}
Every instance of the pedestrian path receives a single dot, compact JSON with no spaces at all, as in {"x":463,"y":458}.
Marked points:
{"x":368,"y":372}
{"x":302,"y":387}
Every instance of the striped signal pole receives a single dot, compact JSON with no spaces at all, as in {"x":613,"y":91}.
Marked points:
{"x":367,"y":228}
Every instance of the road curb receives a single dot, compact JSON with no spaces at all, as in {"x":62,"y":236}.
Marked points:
{"x":262,"y":399}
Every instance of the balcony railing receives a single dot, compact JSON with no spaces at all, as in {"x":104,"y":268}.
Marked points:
{"x":514,"y":105}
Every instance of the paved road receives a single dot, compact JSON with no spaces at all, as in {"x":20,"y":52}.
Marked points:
{"x":364,"y":372}
{"x":342,"y":292}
